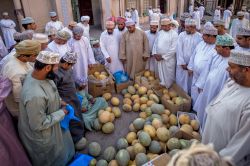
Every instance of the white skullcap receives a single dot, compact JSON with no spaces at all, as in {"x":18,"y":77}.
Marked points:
{"x":175,"y":23}
{"x":27,"y":20}
{"x":130,"y":22}
{"x":5,"y":14}
{"x":94,"y":41}
{"x":77,"y":30}
{"x":240,"y":14}
{"x":48,"y":57}
{"x":209,"y":29}
{"x":110,"y":24}
{"x":243,"y":32}
{"x":85,"y":18}
{"x":51,"y":31}
{"x":240,"y":57}
{"x":52,"y":14}
{"x":190,"y":22}
{"x":165,"y":21}
{"x":40,"y":37}
{"x":70,"y":57}
{"x":219,"y":22}
{"x":154,"y":22}
{"x":64,"y":35}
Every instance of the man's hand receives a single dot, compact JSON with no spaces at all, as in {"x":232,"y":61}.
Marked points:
{"x":63,"y":103}
{"x":190,"y":72}
{"x":90,"y":66}
{"x":158,"y":57}
{"x":123,"y":61}
{"x":184,"y":67}
{"x":144,"y":58}
{"x":200,"y":90}
{"x":65,"y":111}
{"x":81,"y":87}
{"x":108,"y":60}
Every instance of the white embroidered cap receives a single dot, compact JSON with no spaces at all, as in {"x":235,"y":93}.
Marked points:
{"x":52,"y":14}
{"x":48,"y":57}
{"x":243,"y":32}
{"x":40,"y":37}
{"x":240,"y":57}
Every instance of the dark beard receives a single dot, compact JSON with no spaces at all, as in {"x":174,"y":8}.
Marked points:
{"x":110,"y":33}
{"x":153,"y":32}
{"x":121,"y":29}
{"x":51,"y":75}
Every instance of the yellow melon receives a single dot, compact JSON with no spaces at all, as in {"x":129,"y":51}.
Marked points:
{"x":127,"y":101}
{"x":136,"y":107}
{"x":154,"y":98}
{"x":107,"y":96}
{"x":131,"y":136}
{"x":96,"y":74}
{"x":150,"y":130}
{"x":102,"y":77}
{"x":187,"y":128}
{"x":143,"y":100}
{"x":166,"y":111}
{"x":142,"y":90}
{"x":109,"y":109}
{"x":115,"y":101}
{"x":127,"y":95}
{"x":143,"y":107}
{"x":126,"y":108}
{"x":150,"y":91}
{"x":137,"y":101}
{"x":151,"y":78}
{"x":104,"y":73}
{"x":112,"y":117}
{"x":146,"y":73}
{"x":195,"y":124}
{"x":150,"y":102}
{"x":184,"y":119}
{"x":136,"y":86}
{"x":133,"y":97}
{"x":173,"y":120}
{"x":104,"y":117}
{"x":143,"y":115}
{"x":156,"y":123}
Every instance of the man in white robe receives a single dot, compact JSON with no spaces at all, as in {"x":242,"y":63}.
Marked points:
{"x":227,"y":125}
{"x":227,"y":17}
{"x":217,"y":14}
{"x":213,"y":76}
{"x":29,"y":25}
{"x":121,"y":27}
{"x":54,"y":23}
{"x":191,"y":9}
{"x":42,"y":39}
{"x":164,"y":49}
{"x":110,"y":47}
{"x":8,"y":29}
{"x":186,"y":44}
{"x":201,"y":10}
{"x":151,"y":35}
{"x":135,"y":16}
{"x":202,"y":53}
{"x":237,"y":23}
{"x":16,"y":70}
{"x":196,"y":16}
{"x":3,"y":49}
{"x":70,"y":27}
{"x":243,"y":39}
{"x":183,"y":17}
{"x":85,"y":25}
{"x":127,"y":14}
{"x":60,"y":45}
{"x":85,"y":57}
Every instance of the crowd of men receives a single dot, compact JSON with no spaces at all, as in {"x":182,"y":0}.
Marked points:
{"x":42,"y":72}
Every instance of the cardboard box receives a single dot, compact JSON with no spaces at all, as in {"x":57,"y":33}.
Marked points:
{"x":99,"y":87}
{"x":121,"y":86}
{"x":142,"y":81}
{"x":161,"y":160}
{"x":185,"y":107}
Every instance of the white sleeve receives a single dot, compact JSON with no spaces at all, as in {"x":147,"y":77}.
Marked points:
{"x":179,"y":51}
{"x":102,"y":45}
{"x":91,"y":57}
{"x":238,"y":146}
{"x":172,"y":48}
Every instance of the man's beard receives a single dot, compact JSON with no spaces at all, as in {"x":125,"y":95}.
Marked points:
{"x":51,"y":75}
{"x":110,"y":33}
{"x":154,"y":32}
{"x":121,"y":29}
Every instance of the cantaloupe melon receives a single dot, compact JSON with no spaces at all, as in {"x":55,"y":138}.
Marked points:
{"x":141,"y":159}
{"x":173,"y":120}
{"x":127,"y":101}
{"x":195,"y":124}
{"x":126,"y":108}
{"x":155,"y":147}
{"x":157,"y":108}
{"x":136,"y":107}
{"x":104,"y":117}
{"x":122,"y":143}
{"x":154,"y":98}
{"x":144,"y":138}
{"x":184,"y":119}
{"x":163,"y":134}
{"x":173,"y":143}
{"x":109,"y":153}
{"x":131,"y":90}
{"x":138,"y":123}
{"x":142,"y":90}
{"x":108,"y":128}
{"x":115,"y":101}
{"x":94,"y":149}
{"x":107,"y":96}
{"x":122,"y":157}
{"x":150,"y":130}
{"x":156,"y":123}
{"x":116,"y":111}
{"x":131,"y":136}
{"x":139,"y":148}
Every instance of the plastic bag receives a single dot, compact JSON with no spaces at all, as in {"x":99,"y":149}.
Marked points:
{"x":81,"y":160}
{"x":121,"y":77}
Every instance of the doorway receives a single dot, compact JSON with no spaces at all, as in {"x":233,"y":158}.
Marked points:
{"x":85,"y":7}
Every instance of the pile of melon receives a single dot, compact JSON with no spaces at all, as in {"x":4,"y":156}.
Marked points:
{"x":147,"y":75}
{"x":105,"y":119}
{"x":99,"y":75}
{"x":138,"y":98}
{"x":189,"y":125}
{"x":171,"y":96}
